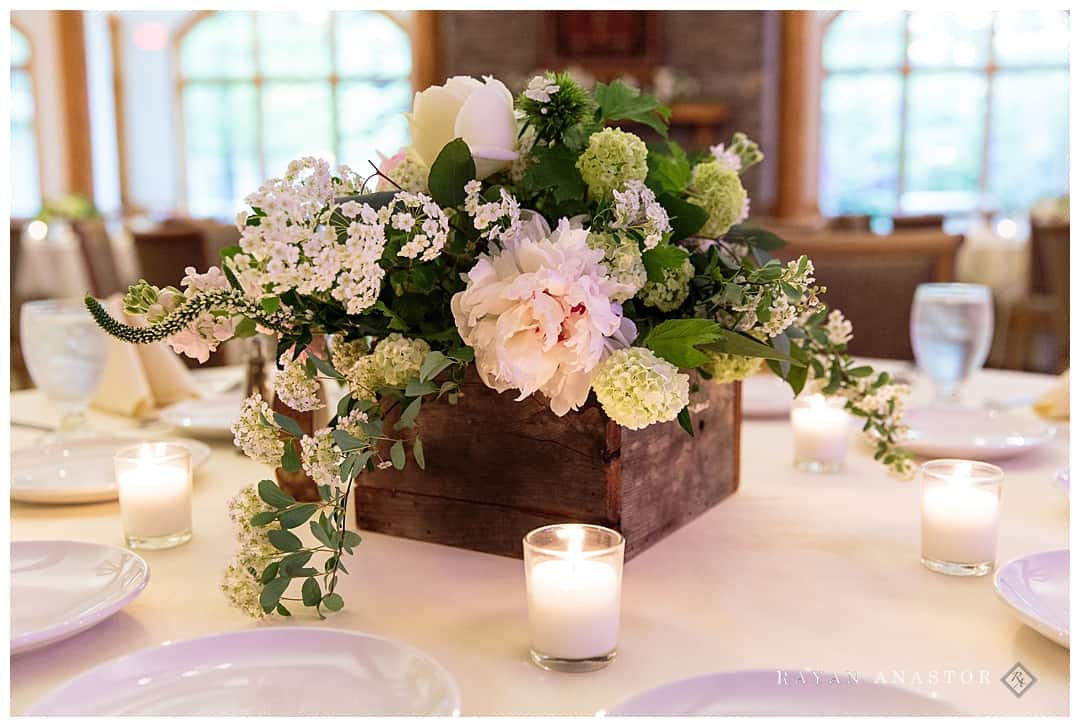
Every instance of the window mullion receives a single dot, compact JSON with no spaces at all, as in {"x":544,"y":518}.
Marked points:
{"x":260,"y":141}
{"x":335,"y":125}
{"x":991,"y":72}
{"x":905,"y":75}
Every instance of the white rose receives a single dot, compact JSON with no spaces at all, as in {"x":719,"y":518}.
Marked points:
{"x":539,"y":316}
{"x":482,"y":114}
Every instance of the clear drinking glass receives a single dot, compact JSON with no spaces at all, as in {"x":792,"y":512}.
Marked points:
{"x":153,"y":481}
{"x":961,"y":506}
{"x":573,"y":579}
{"x":952,"y":325}
{"x":65,"y":353}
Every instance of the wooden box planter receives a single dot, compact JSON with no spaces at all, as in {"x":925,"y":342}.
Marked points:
{"x":497,"y":468}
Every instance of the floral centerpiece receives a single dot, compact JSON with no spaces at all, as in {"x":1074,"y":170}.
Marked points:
{"x":532,"y":238}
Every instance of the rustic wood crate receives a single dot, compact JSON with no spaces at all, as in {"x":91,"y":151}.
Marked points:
{"x":497,"y":468}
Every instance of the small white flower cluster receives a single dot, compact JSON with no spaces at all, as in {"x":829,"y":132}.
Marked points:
{"x":541,"y":87}
{"x":360,"y":276}
{"x":294,"y":387}
{"x":252,"y":433}
{"x":728,"y":158}
{"x":321,"y":457}
{"x":424,"y":221}
{"x":241,"y":584}
{"x":494,"y":220}
{"x":636,"y":208}
{"x":783,"y":310}
{"x":523,"y":147}
{"x":838,"y":328}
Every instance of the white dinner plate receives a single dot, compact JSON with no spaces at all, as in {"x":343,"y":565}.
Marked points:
{"x":1036,"y":587}
{"x":77,"y":471}
{"x":60,"y":588}
{"x":1061,"y":479}
{"x":779,"y":693}
{"x":267,"y":671}
{"x":973,"y":433}
{"x":209,"y":417}
{"x":766,"y":396}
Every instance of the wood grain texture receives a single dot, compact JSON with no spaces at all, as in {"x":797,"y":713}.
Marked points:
{"x":496,"y":468}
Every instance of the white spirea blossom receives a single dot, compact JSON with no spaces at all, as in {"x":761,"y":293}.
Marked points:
{"x":397,"y":359}
{"x":294,"y":387}
{"x":729,"y":158}
{"x":258,"y":440}
{"x":636,"y":208}
{"x":539,"y":316}
{"x":540,"y":88}
{"x":424,"y":222}
{"x":499,"y":220}
{"x":241,"y":584}
{"x":637,"y":388}
{"x":321,"y":457}
{"x":838,"y":328}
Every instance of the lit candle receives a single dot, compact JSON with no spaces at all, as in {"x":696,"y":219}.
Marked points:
{"x":573,"y":576}
{"x":154,"y":487}
{"x":961,"y":505}
{"x":822,"y":429}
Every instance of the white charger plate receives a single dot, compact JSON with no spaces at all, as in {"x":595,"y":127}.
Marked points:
{"x":79,"y":470}
{"x":973,"y":433}
{"x":764,"y":694}
{"x":212,"y":416}
{"x":278,"y":671}
{"x":766,"y":397}
{"x":61,"y":588}
{"x":1036,"y":588}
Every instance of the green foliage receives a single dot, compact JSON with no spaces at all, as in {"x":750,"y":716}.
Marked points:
{"x":450,"y":171}
{"x":686,"y":218}
{"x":661,"y":258}
{"x":619,"y":102}
{"x":554,"y":170}
{"x":668,"y":172}
{"x":676,"y":340}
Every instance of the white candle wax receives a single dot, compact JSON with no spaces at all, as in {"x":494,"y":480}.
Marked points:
{"x":821,"y":430}
{"x":155,"y":497}
{"x":959,"y":524}
{"x":574,"y":608}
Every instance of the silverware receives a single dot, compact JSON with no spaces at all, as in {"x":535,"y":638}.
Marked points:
{"x":32,"y":425}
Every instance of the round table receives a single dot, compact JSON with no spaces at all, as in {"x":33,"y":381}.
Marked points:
{"x":794,"y":571}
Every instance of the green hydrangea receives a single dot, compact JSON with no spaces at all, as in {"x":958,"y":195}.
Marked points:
{"x":623,"y":259}
{"x":637,"y":388}
{"x":410,"y":174}
{"x":613,"y":158}
{"x":723,"y":368}
{"x":396,"y":360}
{"x":718,"y":190}
{"x":670,"y":293}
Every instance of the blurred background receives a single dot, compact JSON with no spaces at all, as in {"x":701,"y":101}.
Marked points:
{"x":901,"y":147}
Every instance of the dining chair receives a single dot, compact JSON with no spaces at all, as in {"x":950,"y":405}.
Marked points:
{"x":98,"y":256}
{"x":872,"y":279}
{"x":1044,"y":312}
{"x":20,"y":377}
{"x":918,"y":222}
{"x":848,"y":223}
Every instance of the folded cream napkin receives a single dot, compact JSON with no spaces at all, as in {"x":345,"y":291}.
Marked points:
{"x":140,"y":378}
{"x":1054,"y":404}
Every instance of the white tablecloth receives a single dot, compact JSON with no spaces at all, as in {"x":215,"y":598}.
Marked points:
{"x":794,"y":571}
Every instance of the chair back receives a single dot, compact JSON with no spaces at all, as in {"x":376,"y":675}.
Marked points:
{"x":98,"y":256}
{"x":872,"y":279}
{"x":164,"y":251}
{"x":918,"y":222}
{"x":1050,"y":268}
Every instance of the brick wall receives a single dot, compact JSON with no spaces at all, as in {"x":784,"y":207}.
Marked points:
{"x":732,"y":54}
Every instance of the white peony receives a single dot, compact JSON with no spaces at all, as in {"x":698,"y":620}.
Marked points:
{"x":539,"y":316}
{"x":480,"y":113}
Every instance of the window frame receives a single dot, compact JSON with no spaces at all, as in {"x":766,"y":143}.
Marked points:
{"x":409,"y":24}
{"x":35,"y":123}
{"x":990,"y":70}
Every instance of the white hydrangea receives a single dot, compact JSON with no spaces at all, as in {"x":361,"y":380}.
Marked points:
{"x":255,"y":435}
{"x":623,"y":261}
{"x":637,"y":388}
{"x":636,"y":208}
{"x":294,"y":387}
{"x":494,"y":220}
{"x":425,"y":222}
{"x":672,"y":291}
{"x":397,"y":359}
{"x":838,"y":328}
{"x":541,"y":87}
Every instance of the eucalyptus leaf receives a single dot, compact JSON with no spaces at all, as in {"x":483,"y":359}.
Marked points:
{"x":290,"y":459}
{"x":272,"y":495}
{"x":333,"y":602}
{"x":288,"y":424}
{"x":418,"y":452}
{"x":272,"y":593}
{"x":420,"y":388}
{"x":295,"y":517}
{"x":408,"y":417}
{"x":311,"y":592}
{"x":318,"y":529}
{"x":397,"y":454}
{"x":284,"y":541}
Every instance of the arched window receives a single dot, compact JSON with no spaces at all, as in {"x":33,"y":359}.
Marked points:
{"x":258,"y":89}
{"x":25,"y":188}
{"x":936,"y":112}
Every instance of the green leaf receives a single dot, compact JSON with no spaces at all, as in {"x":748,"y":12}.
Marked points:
{"x":292,"y":562}
{"x":420,"y":388}
{"x":344,"y":405}
{"x":271,"y":304}
{"x":408,"y":417}
{"x":668,"y":172}
{"x":676,"y":340}
{"x":269,"y":573}
{"x":260,"y":519}
{"x":319,"y":531}
{"x":618,"y":101}
{"x":311,"y":592}
{"x":347,"y":442}
{"x":333,"y":602}
{"x":284,"y":541}
{"x":283,"y":611}
{"x":290,"y":459}
{"x":660,"y":258}
{"x":296,"y":516}
{"x":397,"y":454}
{"x":324,"y":366}
{"x":418,"y":452}
{"x":434,"y":363}
{"x":245,"y":329}
{"x":860,"y":372}
{"x":351,"y":539}
{"x":288,"y":424}
{"x":451,"y":171}
{"x":684,"y":421}
{"x":465,"y":353}
{"x":271,"y":594}
{"x":741,"y":345}
{"x":555,"y":168}
{"x":273,"y":495}
{"x":686,"y":218}
{"x":755,"y":237}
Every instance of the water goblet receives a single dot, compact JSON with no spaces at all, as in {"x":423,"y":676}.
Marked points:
{"x":952,"y":325}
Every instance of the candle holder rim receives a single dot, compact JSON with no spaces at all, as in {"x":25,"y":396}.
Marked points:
{"x":173,"y":451}
{"x":990,"y":473}
{"x":596,"y":553}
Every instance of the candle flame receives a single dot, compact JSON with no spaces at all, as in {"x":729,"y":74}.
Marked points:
{"x":575,"y":540}
{"x":961,"y":473}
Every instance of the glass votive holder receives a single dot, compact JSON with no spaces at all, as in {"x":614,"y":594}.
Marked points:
{"x":573,"y":579}
{"x":821,"y":429}
{"x":961,"y":505}
{"x":153,"y":481}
